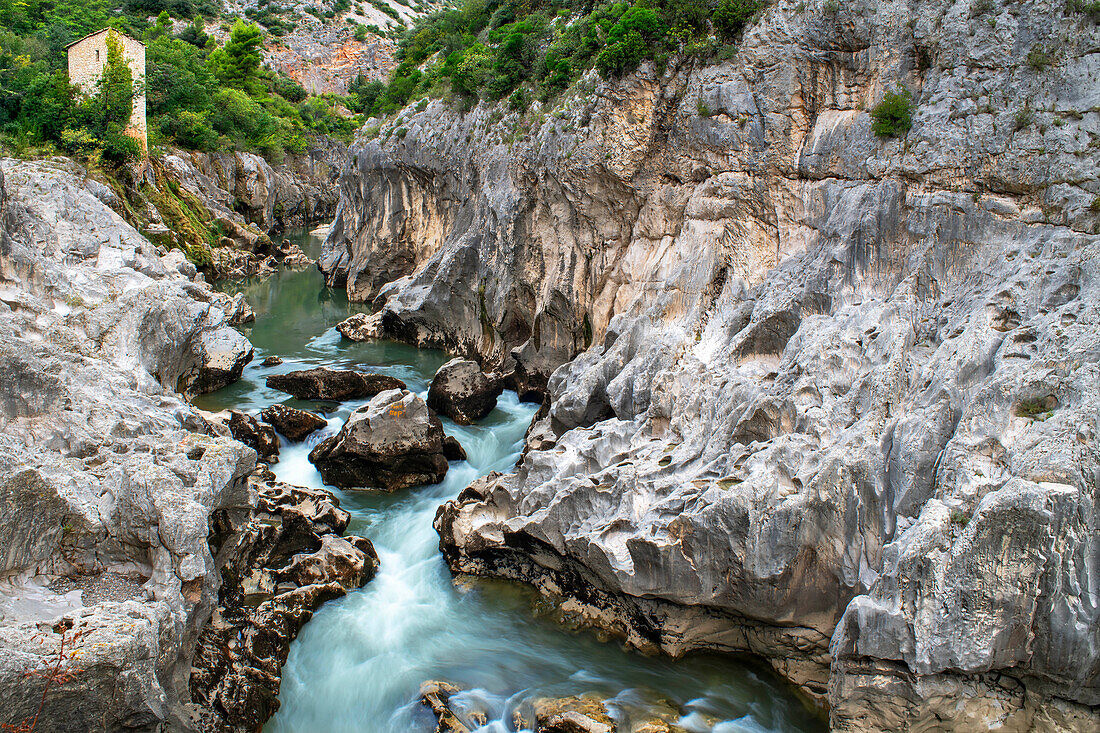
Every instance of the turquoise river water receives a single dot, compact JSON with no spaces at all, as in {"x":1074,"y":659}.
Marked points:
{"x":357,"y":666}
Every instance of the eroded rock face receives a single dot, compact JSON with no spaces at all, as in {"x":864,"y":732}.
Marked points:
{"x":110,"y":481}
{"x":332,"y":384}
{"x":393,"y":442}
{"x":294,"y":193}
{"x":836,"y":397}
{"x":462,"y":392}
{"x":288,"y":559}
{"x":293,"y":423}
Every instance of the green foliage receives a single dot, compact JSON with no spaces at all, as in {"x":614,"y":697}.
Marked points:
{"x":634,"y":37}
{"x":893,"y":116}
{"x":362,"y":94}
{"x":1088,"y":8}
{"x":198,"y":96}
{"x":386,"y":8}
{"x":289,"y":89}
{"x":1039,"y":408}
{"x":1023,"y":118}
{"x":1039,"y":58}
{"x":237,"y":64}
{"x":731,"y":16}
{"x":492,"y":49}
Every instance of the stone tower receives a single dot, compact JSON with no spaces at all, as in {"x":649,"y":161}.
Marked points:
{"x":88,"y":56}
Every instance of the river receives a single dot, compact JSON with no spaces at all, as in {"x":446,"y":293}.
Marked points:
{"x":358,"y":664}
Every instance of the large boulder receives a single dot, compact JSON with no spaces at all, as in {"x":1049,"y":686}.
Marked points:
{"x":462,"y":392}
{"x":221,"y":358}
{"x":293,"y":423}
{"x":332,"y":384}
{"x":391,"y":443}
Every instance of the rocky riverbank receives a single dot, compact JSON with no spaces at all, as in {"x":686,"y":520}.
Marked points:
{"x":117,"y":495}
{"x":835,"y":396}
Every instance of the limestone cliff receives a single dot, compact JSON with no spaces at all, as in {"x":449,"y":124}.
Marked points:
{"x":834,"y":397}
{"x":109,"y":481}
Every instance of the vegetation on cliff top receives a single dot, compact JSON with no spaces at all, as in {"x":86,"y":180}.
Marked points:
{"x":491,"y":49}
{"x":199,"y":95}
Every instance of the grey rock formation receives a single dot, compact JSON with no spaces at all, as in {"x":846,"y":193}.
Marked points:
{"x":393,"y":442}
{"x":836,"y":401}
{"x":332,"y":384}
{"x":278,"y":569}
{"x":295,"y":193}
{"x":462,"y":392}
{"x":293,"y":423}
{"x":110,"y":480}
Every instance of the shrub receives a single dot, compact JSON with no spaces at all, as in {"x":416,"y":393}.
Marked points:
{"x":1088,"y":8}
{"x":1023,"y":118}
{"x":893,"y":116}
{"x":1039,"y":58}
{"x":289,"y":89}
{"x":731,"y":16}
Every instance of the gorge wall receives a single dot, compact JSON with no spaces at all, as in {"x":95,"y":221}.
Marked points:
{"x":835,"y":398}
{"x":110,"y":483}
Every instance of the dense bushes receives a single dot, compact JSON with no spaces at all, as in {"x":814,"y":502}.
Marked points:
{"x":491,"y":48}
{"x":199,"y":96}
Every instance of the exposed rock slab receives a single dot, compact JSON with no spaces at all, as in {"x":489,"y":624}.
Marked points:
{"x":295,"y":424}
{"x":332,"y":384}
{"x":462,"y":392}
{"x":393,"y":442}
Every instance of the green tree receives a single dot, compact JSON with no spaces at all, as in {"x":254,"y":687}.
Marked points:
{"x":731,"y":16}
{"x":237,"y":64}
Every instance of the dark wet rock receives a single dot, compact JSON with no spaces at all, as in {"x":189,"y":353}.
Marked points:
{"x":452,"y":449}
{"x":332,"y":384}
{"x":272,"y":361}
{"x":393,"y":442}
{"x":293,"y":423}
{"x":462,"y":392}
{"x":285,"y":561}
{"x":436,"y":696}
{"x":257,"y":436}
